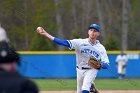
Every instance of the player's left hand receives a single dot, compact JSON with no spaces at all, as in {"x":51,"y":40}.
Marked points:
{"x":94,"y":63}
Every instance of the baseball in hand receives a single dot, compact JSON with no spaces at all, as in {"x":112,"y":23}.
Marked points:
{"x":39,"y":29}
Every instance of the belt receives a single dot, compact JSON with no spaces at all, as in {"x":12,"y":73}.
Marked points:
{"x":83,"y":68}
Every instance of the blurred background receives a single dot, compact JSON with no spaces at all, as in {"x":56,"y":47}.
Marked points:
{"x":68,"y":19}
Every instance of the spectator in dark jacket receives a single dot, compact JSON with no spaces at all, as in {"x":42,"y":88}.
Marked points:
{"x":10,"y":80}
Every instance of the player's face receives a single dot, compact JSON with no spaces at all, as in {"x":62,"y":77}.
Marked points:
{"x":93,"y":34}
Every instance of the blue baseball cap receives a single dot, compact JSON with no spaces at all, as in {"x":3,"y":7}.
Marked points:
{"x":94,"y":26}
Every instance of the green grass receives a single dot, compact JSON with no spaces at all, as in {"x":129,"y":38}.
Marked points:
{"x":102,"y":84}
{"x":56,"y":84}
{"x":116,"y":84}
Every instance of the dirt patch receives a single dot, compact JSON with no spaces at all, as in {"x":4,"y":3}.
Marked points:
{"x":102,"y":91}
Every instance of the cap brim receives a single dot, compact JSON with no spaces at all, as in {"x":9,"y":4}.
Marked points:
{"x":93,"y":28}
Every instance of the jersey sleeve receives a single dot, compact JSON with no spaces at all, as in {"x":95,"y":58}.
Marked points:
{"x":74,"y":43}
{"x":104,"y":56}
{"x":126,"y":58}
{"x":104,"y":59}
{"x":61,"y":42}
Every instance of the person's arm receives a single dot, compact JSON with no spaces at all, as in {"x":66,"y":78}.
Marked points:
{"x":41,"y":31}
{"x":61,"y":42}
{"x":29,"y":87}
{"x":104,"y":59}
{"x":104,"y":65}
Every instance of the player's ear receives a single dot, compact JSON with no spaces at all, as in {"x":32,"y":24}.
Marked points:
{"x":98,"y":34}
{"x":88,"y":31}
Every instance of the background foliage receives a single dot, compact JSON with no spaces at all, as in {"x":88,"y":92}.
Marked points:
{"x":68,"y":19}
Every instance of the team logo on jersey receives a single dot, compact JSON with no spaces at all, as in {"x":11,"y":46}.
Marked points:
{"x":85,"y":45}
{"x":90,"y":52}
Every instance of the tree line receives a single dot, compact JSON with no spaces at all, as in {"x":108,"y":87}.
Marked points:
{"x":68,"y":19}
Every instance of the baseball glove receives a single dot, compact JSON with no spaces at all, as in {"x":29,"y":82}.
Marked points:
{"x":94,"y":63}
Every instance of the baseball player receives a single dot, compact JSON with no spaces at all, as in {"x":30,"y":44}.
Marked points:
{"x":121,"y":62}
{"x":90,"y":56}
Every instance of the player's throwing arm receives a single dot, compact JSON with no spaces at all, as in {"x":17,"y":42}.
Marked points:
{"x":41,"y":31}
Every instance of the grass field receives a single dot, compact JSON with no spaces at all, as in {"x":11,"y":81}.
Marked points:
{"x":102,"y":84}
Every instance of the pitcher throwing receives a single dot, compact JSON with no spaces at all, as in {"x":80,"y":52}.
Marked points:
{"x":91,"y":56}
